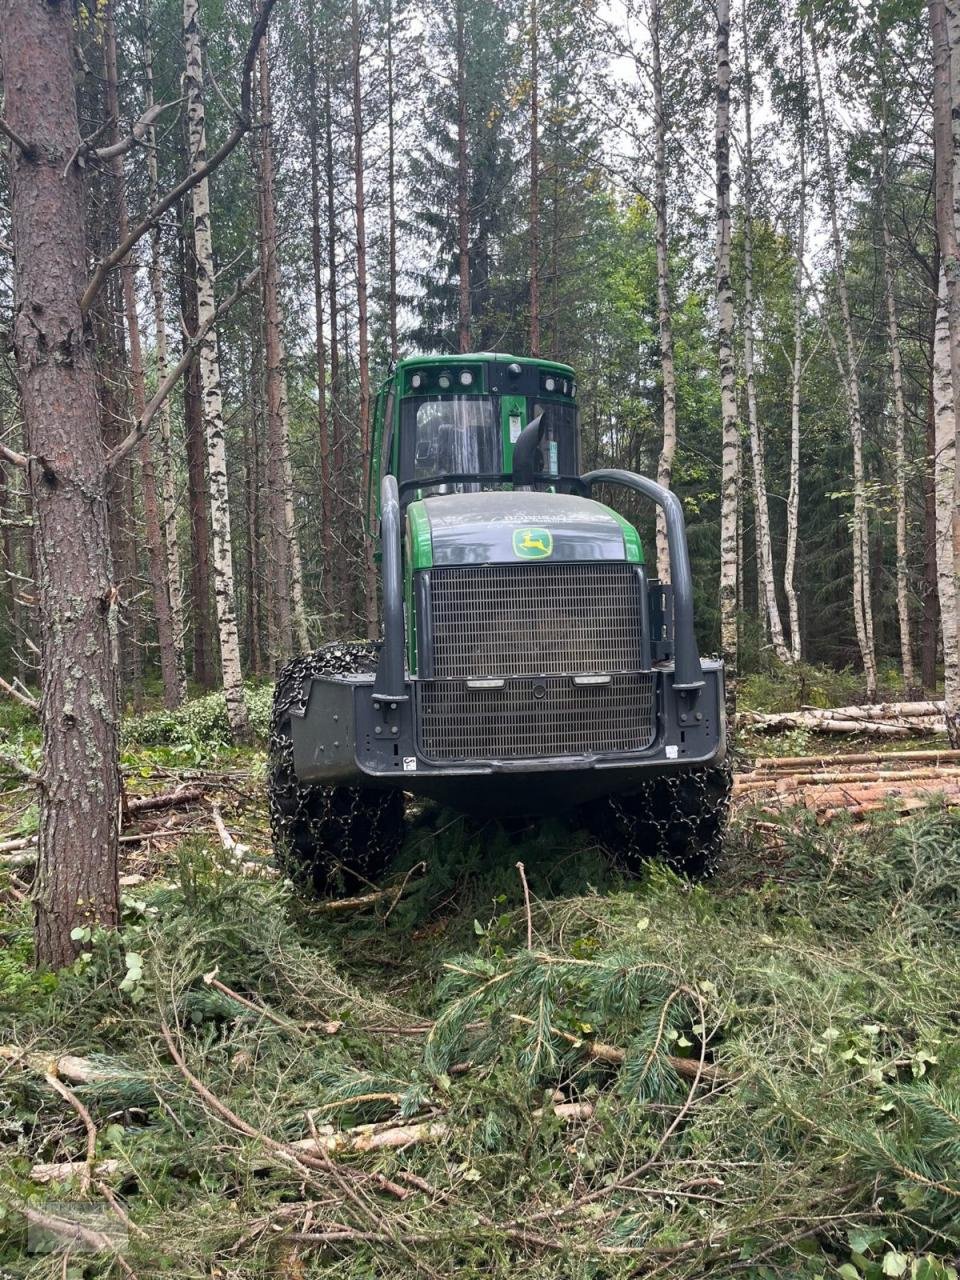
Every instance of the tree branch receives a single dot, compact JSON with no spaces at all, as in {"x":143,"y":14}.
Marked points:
{"x":27,"y":149}
{"x":132,"y":439}
{"x":134,"y":137}
{"x":9,"y":455}
{"x":242,"y":126}
{"x":23,"y":698}
{"x":10,"y":762}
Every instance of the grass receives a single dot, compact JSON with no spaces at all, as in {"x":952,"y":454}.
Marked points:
{"x":787,"y":1100}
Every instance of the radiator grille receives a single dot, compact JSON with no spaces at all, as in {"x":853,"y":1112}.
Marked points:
{"x":531,"y":718}
{"x":535,"y":619}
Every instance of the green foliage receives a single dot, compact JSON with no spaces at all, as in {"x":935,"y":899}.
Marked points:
{"x":199,"y":726}
{"x":788,"y":688}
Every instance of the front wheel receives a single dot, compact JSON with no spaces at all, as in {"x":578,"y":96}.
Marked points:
{"x":678,"y":819}
{"x":327,"y":839}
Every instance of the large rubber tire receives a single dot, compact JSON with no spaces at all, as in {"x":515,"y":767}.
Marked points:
{"x":678,"y":819}
{"x":328,"y":840}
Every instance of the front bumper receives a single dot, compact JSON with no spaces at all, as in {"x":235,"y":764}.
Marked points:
{"x":348,"y":737}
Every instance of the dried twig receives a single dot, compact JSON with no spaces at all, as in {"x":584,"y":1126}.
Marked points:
{"x":526,"y":903}
{"x":69,"y":1096}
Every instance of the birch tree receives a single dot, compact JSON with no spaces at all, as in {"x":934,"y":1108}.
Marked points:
{"x":668,"y":377}
{"x":767,"y":584}
{"x":796,"y":379}
{"x":209,"y":357}
{"x":945,"y":477}
{"x":730,"y":446}
{"x":862,"y":593}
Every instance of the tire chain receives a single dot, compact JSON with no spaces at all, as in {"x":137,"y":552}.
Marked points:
{"x":678,"y":819}
{"x":326,"y":838}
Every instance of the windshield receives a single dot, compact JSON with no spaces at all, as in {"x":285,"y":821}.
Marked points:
{"x":458,"y":435}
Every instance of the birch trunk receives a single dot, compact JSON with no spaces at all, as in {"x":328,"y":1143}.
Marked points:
{"x":793,"y":494}
{"x":534,"y":180}
{"x":900,"y":430}
{"x":862,"y":594}
{"x":767,"y":588}
{"x":168,"y":497}
{"x":945,"y":454}
{"x":463,"y":195}
{"x":668,"y":379}
{"x":947,"y":348}
{"x":730,"y":463}
{"x":214,"y":427}
{"x":76,"y":883}
{"x":363,"y":347}
{"x":289,"y":568}
{"x":930,"y":628}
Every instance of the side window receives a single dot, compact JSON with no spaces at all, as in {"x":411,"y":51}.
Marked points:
{"x":386,"y":453}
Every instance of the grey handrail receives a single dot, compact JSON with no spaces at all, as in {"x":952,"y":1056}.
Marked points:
{"x":389,"y":685}
{"x":687,"y":672}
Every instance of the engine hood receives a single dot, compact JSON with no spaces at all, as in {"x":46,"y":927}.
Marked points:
{"x":514,"y":527}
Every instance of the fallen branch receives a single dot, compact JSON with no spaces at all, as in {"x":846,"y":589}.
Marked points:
{"x":23,"y":698}
{"x":69,"y":1096}
{"x":165,"y":800}
{"x":364,"y":900}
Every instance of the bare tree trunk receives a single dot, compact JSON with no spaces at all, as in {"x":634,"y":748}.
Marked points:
{"x":730,"y":458}
{"x":337,"y":594}
{"x":463,"y":194}
{"x":793,"y":494}
{"x":931,"y":601}
{"x":946,"y":457}
{"x":210,"y":379}
{"x":668,"y":377}
{"x":766,"y":585}
{"x":862,"y":595}
{"x":196,"y":452}
{"x":391,"y":192}
{"x":168,"y":497}
{"x":156,"y":553}
{"x":534,"y":180}
{"x":289,"y":568}
{"x":320,"y":347}
{"x":900,"y":429}
{"x":363,"y":349}
{"x":76,"y":884}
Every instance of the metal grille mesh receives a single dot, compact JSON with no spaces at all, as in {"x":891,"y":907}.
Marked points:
{"x":531,"y":718}
{"x":535,"y":619}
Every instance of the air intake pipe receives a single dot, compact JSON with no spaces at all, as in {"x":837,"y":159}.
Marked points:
{"x":687,"y":672}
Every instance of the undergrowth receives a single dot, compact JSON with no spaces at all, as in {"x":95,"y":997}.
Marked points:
{"x":763,"y":1071}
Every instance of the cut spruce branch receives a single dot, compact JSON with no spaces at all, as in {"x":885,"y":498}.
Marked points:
{"x":140,"y":428}
{"x":243,"y":123}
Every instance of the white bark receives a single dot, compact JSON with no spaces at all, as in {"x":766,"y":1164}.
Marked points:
{"x":793,"y":495}
{"x":664,"y":311}
{"x":945,"y":474}
{"x":730,"y":457}
{"x":168,"y":497}
{"x":214,"y":427}
{"x":900,"y":429}
{"x":862,"y":595}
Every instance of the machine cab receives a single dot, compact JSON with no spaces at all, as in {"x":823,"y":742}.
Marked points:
{"x":449,"y":425}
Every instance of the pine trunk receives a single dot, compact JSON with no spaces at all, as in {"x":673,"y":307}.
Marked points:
{"x":76,"y":885}
{"x":668,"y":378}
{"x":862,"y":594}
{"x":214,"y":427}
{"x":730,"y":458}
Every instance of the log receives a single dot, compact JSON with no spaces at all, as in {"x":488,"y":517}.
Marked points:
{"x":885,"y":718}
{"x":165,"y":800}
{"x":776,"y":763}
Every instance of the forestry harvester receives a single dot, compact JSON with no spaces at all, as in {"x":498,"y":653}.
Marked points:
{"x":528,"y":666}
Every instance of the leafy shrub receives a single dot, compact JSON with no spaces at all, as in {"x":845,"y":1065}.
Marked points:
{"x":784,"y":688}
{"x":200,"y":723}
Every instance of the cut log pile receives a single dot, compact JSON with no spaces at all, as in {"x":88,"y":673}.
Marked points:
{"x":881,"y":719}
{"x":854,"y":784}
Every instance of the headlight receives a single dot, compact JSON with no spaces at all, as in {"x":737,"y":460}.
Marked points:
{"x":417,"y":381}
{"x":549,"y":384}
{"x":445,"y":381}
{"x":466,"y":378}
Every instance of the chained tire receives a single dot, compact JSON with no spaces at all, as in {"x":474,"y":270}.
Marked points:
{"x":328,"y":840}
{"x":678,"y":819}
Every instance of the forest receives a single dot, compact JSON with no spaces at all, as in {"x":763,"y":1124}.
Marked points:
{"x":466,"y":1039}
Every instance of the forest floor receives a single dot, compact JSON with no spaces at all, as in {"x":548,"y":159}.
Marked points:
{"x":757,"y":1076}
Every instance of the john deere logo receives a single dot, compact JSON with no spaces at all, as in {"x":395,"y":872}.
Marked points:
{"x":532,"y":544}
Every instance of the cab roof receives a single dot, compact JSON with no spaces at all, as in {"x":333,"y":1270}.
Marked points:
{"x":481,"y":357}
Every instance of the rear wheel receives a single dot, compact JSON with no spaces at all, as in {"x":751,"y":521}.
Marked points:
{"x":328,"y":840}
{"x":678,"y":819}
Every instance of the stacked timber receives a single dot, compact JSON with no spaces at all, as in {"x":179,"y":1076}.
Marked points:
{"x":881,"y":719}
{"x":855,"y":784}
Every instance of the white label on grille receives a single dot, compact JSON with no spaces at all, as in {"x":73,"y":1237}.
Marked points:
{"x":515,"y":427}
{"x":409,"y":764}
{"x":671,"y":752}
